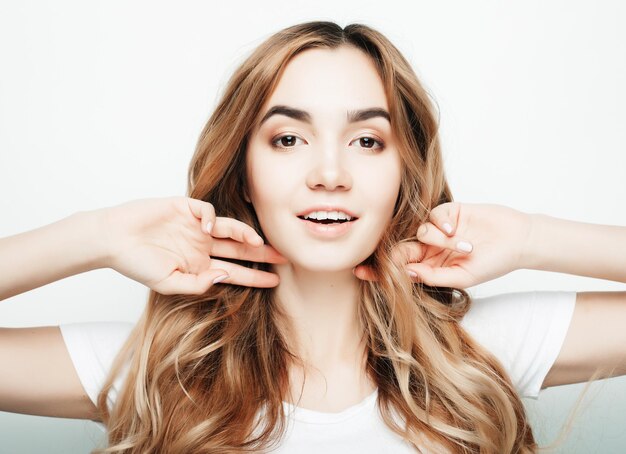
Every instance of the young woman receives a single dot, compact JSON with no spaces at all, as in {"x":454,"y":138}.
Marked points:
{"x":308,"y":292}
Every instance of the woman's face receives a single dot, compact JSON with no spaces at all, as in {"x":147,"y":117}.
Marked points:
{"x":316,"y":153}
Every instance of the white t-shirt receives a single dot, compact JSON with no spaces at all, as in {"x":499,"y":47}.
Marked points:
{"x":524,"y":330}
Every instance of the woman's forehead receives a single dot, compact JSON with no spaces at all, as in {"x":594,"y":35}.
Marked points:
{"x":329,"y":81}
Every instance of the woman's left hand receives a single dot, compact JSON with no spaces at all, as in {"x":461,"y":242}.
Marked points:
{"x":497,"y":238}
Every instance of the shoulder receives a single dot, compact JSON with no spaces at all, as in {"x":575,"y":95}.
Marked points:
{"x":522,"y":306}
{"x":92,"y":347}
{"x":524,"y":330}
{"x":102,"y":338}
{"x":98,"y":329}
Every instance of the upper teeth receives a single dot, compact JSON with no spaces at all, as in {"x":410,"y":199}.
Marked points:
{"x":327,"y":215}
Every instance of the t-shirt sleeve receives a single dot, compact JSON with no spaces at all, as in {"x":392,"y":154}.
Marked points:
{"x":524,"y":330}
{"x":92,"y":347}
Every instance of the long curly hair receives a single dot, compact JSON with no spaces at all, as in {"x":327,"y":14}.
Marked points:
{"x":203,"y":369}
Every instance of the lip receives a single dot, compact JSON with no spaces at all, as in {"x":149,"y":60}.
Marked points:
{"x":328,"y":231}
{"x":327,"y":208}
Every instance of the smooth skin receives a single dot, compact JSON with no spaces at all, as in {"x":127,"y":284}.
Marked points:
{"x":44,"y":382}
{"x":324,"y":156}
{"x":504,"y":240}
{"x":163,"y":244}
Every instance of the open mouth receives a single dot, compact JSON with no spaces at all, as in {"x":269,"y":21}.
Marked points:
{"x":328,"y":221}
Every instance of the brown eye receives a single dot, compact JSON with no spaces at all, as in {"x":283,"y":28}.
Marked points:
{"x":368,"y":142}
{"x":286,"y":141}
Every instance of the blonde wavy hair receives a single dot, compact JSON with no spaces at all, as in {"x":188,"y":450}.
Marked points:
{"x":202,"y":367}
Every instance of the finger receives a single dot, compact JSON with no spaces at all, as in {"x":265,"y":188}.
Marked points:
{"x":402,"y":253}
{"x":189,"y":283}
{"x":237,"y":230}
{"x":364,"y":272}
{"x":203,"y":211}
{"x":440,"y":276}
{"x":445,"y":217}
{"x":428,"y":233}
{"x":435,"y":277}
{"x":228,"y":248}
{"x":408,"y":251}
{"x":243,"y":275}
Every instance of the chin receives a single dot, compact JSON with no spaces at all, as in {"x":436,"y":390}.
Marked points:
{"x":325,"y":267}
{"x":323,"y":256}
{"x":324,"y":262}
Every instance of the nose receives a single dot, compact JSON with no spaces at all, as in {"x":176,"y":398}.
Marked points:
{"x":329,"y":171}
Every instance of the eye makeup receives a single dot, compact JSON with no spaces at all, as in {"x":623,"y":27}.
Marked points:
{"x":294,"y":137}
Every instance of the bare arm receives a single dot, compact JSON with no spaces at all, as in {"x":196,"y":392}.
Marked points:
{"x":579,"y":248}
{"x":159,"y":242}
{"x":72,"y":245}
{"x":38,"y":377}
{"x":501,"y":240}
{"x":596,"y":338}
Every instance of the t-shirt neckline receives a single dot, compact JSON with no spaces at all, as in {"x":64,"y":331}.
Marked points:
{"x":320,"y":417}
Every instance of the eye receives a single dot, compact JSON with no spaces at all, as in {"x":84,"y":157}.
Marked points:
{"x":370,"y":141}
{"x":285,"y":140}
{"x":288,"y":141}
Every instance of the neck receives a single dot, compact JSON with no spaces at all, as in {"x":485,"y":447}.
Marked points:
{"x":322,"y":308}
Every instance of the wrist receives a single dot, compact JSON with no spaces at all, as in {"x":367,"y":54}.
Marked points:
{"x":573,"y":247}
{"x":531,"y":249}
{"x":94,"y":225}
{"x":46,"y":254}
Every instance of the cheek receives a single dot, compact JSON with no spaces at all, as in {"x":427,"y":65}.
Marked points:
{"x":381,"y":185}
{"x":260,"y":173}
{"x":269,"y":191}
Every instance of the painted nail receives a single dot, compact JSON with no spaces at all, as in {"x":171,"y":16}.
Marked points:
{"x":447,"y":227}
{"x":220,"y":278}
{"x":411,"y":273}
{"x":464,"y":246}
{"x":209,"y":226}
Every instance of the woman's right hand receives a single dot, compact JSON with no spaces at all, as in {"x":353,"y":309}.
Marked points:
{"x":163,"y":243}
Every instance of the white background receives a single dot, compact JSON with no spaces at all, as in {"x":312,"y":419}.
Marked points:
{"x":102,"y":102}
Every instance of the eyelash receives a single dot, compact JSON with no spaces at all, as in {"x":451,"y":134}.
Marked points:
{"x":381,"y":144}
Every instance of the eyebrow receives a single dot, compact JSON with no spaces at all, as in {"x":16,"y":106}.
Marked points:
{"x":353,"y":116}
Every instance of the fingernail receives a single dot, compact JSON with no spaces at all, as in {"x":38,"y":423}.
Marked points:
{"x":464,"y":246}
{"x":209,"y":226}
{"x":220,"y":278}
{"x":447,"y":227}
{"x":411,"y":273}
{"x":421,"y":230}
